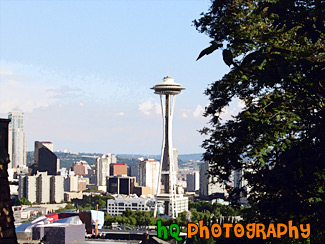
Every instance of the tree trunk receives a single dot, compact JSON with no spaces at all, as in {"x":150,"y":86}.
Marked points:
{"x":7,"y":227}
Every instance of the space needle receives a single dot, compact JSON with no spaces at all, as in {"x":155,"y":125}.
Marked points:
{"x":167,"y":197}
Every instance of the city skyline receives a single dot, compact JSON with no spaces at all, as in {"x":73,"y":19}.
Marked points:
{"x":81,"y":73}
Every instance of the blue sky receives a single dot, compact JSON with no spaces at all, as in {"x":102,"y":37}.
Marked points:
{"x":81,"y":71}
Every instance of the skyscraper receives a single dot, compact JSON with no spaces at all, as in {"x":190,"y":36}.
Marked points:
{"x":193,"y":181}
{"x":57,"y":189}
{"x":148,"y":174}
{"x":103,"y":164}
{"x":42,"y":188}
{"x":16,"y":140}
{"x":172,"y":202}
{"x":209,"y":187}
{"x":45,"y":159}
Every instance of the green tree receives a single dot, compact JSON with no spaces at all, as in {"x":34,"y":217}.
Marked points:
{"x":275,"y":49}
{"x":108,"y":220}
{"x":22,"y":201}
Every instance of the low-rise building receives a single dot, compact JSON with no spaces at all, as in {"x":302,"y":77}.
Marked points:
{"x":120,"y":204}
{"x":68,"y":196}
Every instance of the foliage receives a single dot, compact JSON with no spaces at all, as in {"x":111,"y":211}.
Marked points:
{"x":22,"y":201}
{"x":131,"y":218}
{"x":90,"y":202}
{"x":67,"y":207}
{"x":275,"y":49}
{"x":217,"y":209}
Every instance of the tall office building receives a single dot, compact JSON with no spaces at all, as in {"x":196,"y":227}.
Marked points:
{"x":31,"y":188}
{"x":71,"y":183}
{"x":119,"y":184}
{"x":16,"y":140}
{"x":241,"y":183}
{"x":134,"y":170}
{"x":209,"y":189}
{"x":45,"y":159}
{"x":57,"y":189}
{"x":103,"y":165}
{"x":148,"y":174}
{"x":193,"y":181}
{"x":172,"y":202}
{"x":43,"y":187}
{"x":175,"y":155}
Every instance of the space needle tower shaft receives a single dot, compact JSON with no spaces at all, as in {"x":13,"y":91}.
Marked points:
{"x":166,"y":188}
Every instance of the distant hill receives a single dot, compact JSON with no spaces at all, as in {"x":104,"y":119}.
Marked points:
{"x":67,"y":159}
{"x":184,"y":157}
{"x":189,"y":157}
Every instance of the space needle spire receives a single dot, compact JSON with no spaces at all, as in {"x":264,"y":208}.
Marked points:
{"x":166,"y":189}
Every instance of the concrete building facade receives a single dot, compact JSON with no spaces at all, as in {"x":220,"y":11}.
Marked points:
{"x":208,"y":189}
{"x":45,"y":159}
{"x":193,"y":181}
{"x":17,"y":145}
{"x":71,"y":183}
{"x":43,"y":187}
{"x":149,"y":174}
{"x":120,"y":184}
{"x":241,"y":183}
{"x":31,"y":188}
{"x":120,"y":204}
{"x":80,"y":168}
{"x":103,"y":164}
{"x":57,"y":189}
{"x":119,"y":169}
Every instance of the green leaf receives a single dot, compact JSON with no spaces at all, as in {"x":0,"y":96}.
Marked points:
{"x":214,"y":46}
{"x":227,"y":57}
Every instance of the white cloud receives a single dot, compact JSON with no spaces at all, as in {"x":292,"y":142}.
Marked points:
{"x":120,"y":114}
{"x":232,"y":110}
{"x":82,"y":104}
{"x":198,"y":111}
{"x":184,"y":115}
{"x":158,"y":108}
{"x":148,"y":108}
{"x":15,"y":95}
{"x":6,"y":72}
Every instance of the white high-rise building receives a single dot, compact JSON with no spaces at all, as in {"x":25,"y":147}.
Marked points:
{"x":172,"y":202}
{"x":241,"y":183}
{"x":134,"y":170}
{"x":193,"y":181}
{"x":31,"y":188}
{"x":17,"y":146}
{"x":43,"y":187}
{"x":207,"y":185}
{"x":71,"y":183}
{"x":148,"y":174}
{"x":175,"y":155}
{"x":103,"y":164}
{"x":57,"y":189}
